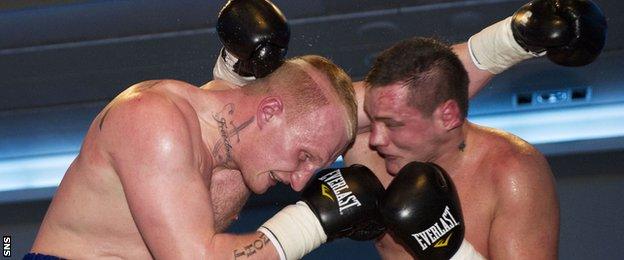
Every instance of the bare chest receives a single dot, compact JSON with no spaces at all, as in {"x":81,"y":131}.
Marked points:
{"x":477,"y":198}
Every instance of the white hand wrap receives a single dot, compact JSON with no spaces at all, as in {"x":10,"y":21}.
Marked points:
{"x":467,"y":252}
{"x":295,"y":231}
{"x":224,"y":70}
{"x":494,"y":48}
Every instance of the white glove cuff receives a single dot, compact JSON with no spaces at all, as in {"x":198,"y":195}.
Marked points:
{"x":224,"y":70}
{"x":494,"y":48}
{"x":467,"y":252}
{"x":294,"y":231}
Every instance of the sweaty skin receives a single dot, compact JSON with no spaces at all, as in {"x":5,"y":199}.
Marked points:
{"x":498,"y":177}
{"x":505,"y":186}
{"x":104,"y":225}
{"x":167,"y":166}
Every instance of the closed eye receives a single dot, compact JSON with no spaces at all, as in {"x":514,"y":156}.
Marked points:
{"x":305,"y":156}
{"x":388,"y":122}
{"x":393,"y":124}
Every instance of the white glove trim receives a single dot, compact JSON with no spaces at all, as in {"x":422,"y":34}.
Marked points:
{"x":224,"y":69}
{"x":295,"y":230}
{"x":495,"y":49}
{"x":467,"y":252}
{"x":276,"y":243}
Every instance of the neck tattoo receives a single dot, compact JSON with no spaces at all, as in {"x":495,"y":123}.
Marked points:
{"x":462,"y":146}
{"x":227,"y":129}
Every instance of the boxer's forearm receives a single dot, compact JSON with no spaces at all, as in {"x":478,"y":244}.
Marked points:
{"x":248,"y":246}
{"x":478,"y":78}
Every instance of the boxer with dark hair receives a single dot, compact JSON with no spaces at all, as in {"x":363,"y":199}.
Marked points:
{"x":416,"y":99}
{"x":416,"y":106}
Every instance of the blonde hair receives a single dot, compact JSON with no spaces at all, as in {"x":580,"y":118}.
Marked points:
{"x":294,"y":83}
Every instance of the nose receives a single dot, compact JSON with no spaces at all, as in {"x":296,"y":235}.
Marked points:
{"x":377,"y":136}
{"x":300,"y":178}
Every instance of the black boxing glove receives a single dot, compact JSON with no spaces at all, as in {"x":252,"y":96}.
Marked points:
{"x":346,"y":202}
{"x":572,"y":32}
{"x":338,"y":203}
{"x":569,"y":32}
{"x":421,"y":209}
{"x":255,"y":37}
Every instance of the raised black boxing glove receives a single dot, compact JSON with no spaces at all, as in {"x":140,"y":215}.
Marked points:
{"x":338,"y":203}
{"x":256,"y":34}
{"x":569,"y":32}
{"x":572,"y":32}
{"x":421,"y":210}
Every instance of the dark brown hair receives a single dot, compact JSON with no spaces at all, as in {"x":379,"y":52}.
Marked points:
{"x":428,"y":68}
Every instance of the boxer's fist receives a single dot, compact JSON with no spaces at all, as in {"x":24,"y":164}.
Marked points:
{"x":572,"y":32}
{"x":338,"y":203}
{"x":346,"y":202}
{"x":421,"y":209}
{"x":255,"y":32}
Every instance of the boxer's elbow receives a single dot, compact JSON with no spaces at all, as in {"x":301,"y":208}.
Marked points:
{"x":177,"y":248}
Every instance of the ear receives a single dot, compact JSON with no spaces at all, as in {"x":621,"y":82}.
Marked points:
{"x":448,"y":115}
{"x":268,"y":109}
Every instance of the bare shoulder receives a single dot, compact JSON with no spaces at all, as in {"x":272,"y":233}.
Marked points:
{"x":152,"y":117}
{"x":513,"y":151}
{"x":142,"y":102}
{"x":218,"y":84}
{"x":524,"y":199}
{"x":519,"y":169}
{"x":513,"y":160}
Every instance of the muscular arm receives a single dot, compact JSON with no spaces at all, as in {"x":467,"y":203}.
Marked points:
{"x":478,"y":78}
{"x":158,"y":159}
{"x":526,"y":217}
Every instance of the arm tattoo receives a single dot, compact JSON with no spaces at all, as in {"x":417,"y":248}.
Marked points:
{"x":251,"y":249}
{"x":227,"y":129}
